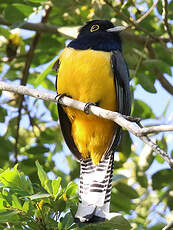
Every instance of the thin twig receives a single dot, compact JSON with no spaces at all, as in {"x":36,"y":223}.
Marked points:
{"x":107,"y":114}
{"x":140,"y":60}
{"x":53,"y":29}
{"x":6,"y":101}
{"x":156,"y":129}
{"x":131,"y":22}
{"x":139,"y":20}
{"x":25,"y":75}
{"x":165,"y":19}
{"x":169,"y":226}
{"x":32,"y":121}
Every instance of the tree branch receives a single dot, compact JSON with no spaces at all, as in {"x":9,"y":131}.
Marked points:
{"x":169,"y":226}
{"x":165,"y":19}
{"x":40,"y":27}
{"x":25,"y":75}
{"x":156,"y":129}
{"x":114,"y":116}
{"x":133,"y":23}
{"x":139,"y":20}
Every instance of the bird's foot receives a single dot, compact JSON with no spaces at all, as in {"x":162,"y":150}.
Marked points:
{"x":87,"y":106}
{"x":93,"y":219}
{"x":59,"y":96}
{"x":137,"y":120}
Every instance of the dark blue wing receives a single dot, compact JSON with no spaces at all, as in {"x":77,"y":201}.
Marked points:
{"x":122,"y":88}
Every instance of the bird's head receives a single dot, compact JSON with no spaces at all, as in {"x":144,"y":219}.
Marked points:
{"x":98,"y":35}
{"x":100,"y":26}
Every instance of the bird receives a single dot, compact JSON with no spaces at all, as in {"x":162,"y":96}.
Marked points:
{"x":92,"y":69}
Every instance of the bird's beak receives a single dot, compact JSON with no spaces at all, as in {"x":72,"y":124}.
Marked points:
{"x":116,"y":29}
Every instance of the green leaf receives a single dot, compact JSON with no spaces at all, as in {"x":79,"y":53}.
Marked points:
{"x":141,"y":178}
{"x":56,"y":186}
{"x":67,"y":221}
{"x":50,"y":135}
{"x":117,"y":222}
{"x":146,"y":158}
{"x":3,"y":114}
{"x":16,"y":203}
{"x":158,"y":64}
{"x":5,"y":150}
{"x":12,"y":14}
{"x":118,"y":177}
{"x":44,"y":179}
{"x":37,"y":1}
{"x":41,"y":174}
{"x":166,"y":108}
{"x":59,"y":205}
{"x":26,"y":206}
{"x":52,"y":107}
{"x":71,"y":189}
{"x":15,"y":179}
{"x":37,"y":150}
{"x":25,"y":9}
{"x":48,"y":186}
{"x":162,"y":178}
{"x":146,"y":82}
{"x":170,"y":10}
{"x":124,"y":150}
{"x":142,"y":110}
{"x":7,"y":216}
{"x":157,"y":227}
{"x":39,"y":196}
{"x":42,"y":76}
{"x":162,"y":53}
{"x":17,"y":12}
{"x":117,"y":203}
{"x":127,"y":190}
{"x":5,"y":32}
{"x":74,"y":167}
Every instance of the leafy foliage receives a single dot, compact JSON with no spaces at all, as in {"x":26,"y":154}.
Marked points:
{"x":34,"y":205}
{"x":142,"y":184}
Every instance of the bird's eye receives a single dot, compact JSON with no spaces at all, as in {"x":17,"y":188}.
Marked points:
{"x":94,"y":28}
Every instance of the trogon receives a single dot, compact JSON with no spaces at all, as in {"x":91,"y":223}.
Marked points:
{"x":92,"y":69}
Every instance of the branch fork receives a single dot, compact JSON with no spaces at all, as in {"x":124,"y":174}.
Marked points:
{"x":135,"y":128}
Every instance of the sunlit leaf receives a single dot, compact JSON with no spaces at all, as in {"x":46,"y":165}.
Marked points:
{"x":142,"y":110}
{"x":162,"y":178}
{"x":117,"y":222}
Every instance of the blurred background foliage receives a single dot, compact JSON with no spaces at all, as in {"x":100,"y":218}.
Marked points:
{"x":142,"y":183}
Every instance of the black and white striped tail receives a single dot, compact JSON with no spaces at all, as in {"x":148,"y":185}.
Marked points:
{"x":95,"y":190}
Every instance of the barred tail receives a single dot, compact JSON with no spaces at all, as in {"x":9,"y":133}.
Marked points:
{"x":95,"y":190}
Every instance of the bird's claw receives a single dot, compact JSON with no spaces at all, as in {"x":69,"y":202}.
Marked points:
{"x":59,"y":96}
{"x":137,"y":120}
{"x":87,"y":105}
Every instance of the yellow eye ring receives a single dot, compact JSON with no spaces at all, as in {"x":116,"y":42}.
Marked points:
{"x":94,"y":28}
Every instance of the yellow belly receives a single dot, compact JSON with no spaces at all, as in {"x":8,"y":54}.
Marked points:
{"x":86,"y":75}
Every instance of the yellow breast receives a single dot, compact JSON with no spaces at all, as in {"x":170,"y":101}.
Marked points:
{"x":86,"y":75}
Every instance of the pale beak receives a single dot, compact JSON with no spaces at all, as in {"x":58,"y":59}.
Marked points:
{"x":116,"y":29}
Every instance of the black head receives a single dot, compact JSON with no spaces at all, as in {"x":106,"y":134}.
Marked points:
{"x":98,"y":35}
{"x":95,"y":26}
